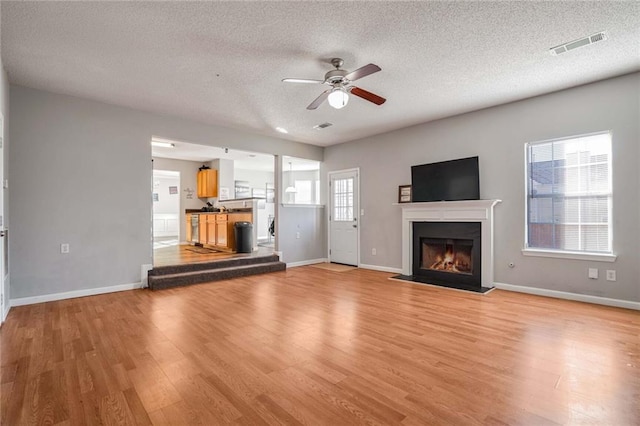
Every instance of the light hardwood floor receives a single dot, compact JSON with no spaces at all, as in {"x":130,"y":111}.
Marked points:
{"x":310,"y":346}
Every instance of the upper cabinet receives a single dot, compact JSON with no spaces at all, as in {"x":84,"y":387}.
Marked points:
{"x":207,"y":183}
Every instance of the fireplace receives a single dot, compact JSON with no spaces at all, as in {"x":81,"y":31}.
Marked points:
{"x":448,"y":253}
{"x":442,"y":227}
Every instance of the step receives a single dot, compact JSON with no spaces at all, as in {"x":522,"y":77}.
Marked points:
{"x":214,"y":264}
{"x":157,"y":282}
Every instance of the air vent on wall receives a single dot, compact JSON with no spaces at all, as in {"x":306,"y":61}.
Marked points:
{"x":322,"y":126}
{"x":585,"y":41}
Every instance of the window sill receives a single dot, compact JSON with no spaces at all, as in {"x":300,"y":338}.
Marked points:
{"x":308,"y":206}
{"x":598,"y":257}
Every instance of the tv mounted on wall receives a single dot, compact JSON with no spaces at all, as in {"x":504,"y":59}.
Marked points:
{"x":446,"y":181}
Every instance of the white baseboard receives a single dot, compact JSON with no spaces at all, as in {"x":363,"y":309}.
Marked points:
{"x":570,"y":296}
{"x":381,"y":268}
{"x":144,"y":274}
{"x":73,"y":294}
{"x":5,"y":311}
{"x":306,"y":262}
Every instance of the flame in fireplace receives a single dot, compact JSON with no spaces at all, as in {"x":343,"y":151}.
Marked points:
{"x":448,"y":260}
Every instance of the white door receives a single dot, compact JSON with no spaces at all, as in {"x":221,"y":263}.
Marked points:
{"x":3,"y":237}
{"x":343,"y":217}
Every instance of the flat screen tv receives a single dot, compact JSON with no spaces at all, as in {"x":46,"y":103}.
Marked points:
{"x":446,"y":181}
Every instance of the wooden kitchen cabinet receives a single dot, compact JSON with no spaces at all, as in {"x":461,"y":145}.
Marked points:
{"x":217,"y":229}
{"x":211,"y":229}
{"x":202,"y":228}
{"x":207,"y":183}
{"x":222,"y":231}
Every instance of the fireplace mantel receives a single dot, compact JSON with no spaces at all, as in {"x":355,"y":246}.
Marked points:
{"x":451,"y":211}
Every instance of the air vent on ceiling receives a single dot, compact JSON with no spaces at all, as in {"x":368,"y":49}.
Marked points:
{"x":585,"y":41}
{"x":322,"y":126}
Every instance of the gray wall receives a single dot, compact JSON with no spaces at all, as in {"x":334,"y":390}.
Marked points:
{"x":4,"y":108}
{"x":497,"y":135}
{"x":81,"y":174}
{"x":310,"y":222}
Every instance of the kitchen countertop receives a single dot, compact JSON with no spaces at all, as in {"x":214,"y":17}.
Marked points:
{"x":230,"y":211}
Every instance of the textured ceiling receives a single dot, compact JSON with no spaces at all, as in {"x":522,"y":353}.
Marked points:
{"x":222,"y":62}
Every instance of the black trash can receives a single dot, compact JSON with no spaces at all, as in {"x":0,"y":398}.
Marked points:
{"x":244,"y":237}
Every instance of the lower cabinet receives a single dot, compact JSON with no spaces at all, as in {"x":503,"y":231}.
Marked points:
{"x":211,"y":229}
{"x":202,"y":228}
{"x":217,"y":229}
{"x":222,"y":231}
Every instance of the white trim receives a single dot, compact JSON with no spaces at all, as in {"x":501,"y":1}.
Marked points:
{"x":381,"y":268}
{"x":306,"y":262}
{"x":570,"y":296}
{"x":73,"y":294}
{"x":598,"y":257}
{"x":144,"y":274}
{"x":6,"y":310}
{"x":306,"y":206}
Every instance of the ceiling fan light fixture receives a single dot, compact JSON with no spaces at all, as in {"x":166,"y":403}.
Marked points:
{"x":338,"y":98}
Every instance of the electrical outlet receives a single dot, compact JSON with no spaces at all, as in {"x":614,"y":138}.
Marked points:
{"x":593,"y":273}
{"x":373,"y":252}
{"x":611,"y":274}
{"x":297,"y":235}
{"x":64,"y":248}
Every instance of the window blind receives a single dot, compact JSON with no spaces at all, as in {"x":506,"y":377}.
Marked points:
{"x":569,"y":194}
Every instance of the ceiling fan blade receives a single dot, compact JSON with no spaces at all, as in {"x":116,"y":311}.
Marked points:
{"x":362,"y":72}
{"x":320,"y":99}
{"x":302,"y":80}
{"x":371,"y":97}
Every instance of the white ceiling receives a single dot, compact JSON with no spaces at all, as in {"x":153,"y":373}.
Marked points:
{"x":222,"y":62}
{"x":242,"y":160}
{"x":203,"y":153}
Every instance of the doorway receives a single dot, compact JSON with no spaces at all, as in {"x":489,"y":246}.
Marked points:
{"x":166,"y":208}
{"x":344,"y":228}
{"x":240,"y":175}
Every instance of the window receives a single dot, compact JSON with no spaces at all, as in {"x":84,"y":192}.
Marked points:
{"x":569,"y":194}
{"x":343,"y":200}
{"x":303,"y":193}
{"x":300,"y":181}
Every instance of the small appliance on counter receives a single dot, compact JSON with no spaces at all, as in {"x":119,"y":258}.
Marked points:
{"x":209,"y":208}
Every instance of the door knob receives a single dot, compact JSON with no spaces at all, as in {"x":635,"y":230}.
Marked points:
{"x":355,"y":226}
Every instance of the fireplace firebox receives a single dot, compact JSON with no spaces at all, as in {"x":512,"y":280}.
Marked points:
{"x":448,"y":253}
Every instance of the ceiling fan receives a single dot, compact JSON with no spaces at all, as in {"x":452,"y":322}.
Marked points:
{"x":340,"y":82}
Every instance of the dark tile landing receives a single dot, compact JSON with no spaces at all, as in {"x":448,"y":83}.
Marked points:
{"x":162,"y":277}
{"x":419,"y":280}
